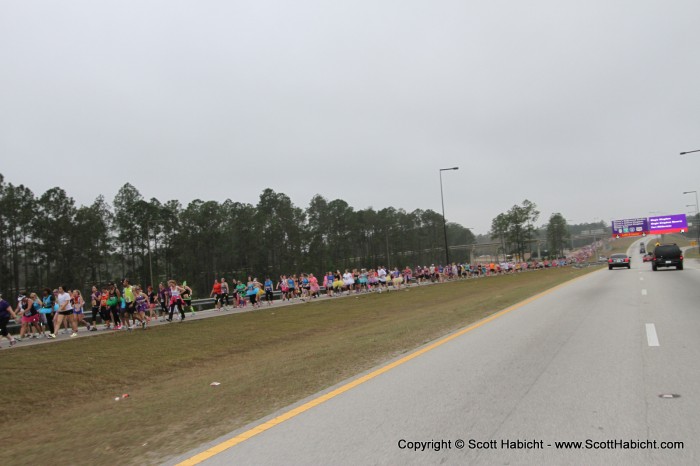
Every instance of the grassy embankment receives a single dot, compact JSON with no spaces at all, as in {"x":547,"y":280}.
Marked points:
{"x":59,"y":398}
{"x":619,"y":246}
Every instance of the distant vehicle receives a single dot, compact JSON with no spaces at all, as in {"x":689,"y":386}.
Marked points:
{"x":667,"y":255}
{"x":641,"y":249}
{"x":618,"y":260}
{"x":647,"y":257}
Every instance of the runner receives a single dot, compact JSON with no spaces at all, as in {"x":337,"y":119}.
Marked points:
{"x":283,"y":286}
{"x":268,"y":291}
{"x":396,"y":278}
{"x":129,"y":309}
{"x":234,"y":293}
{"x":95,"y":296}
{"x":41,"y":319}
{"x":114,"y":296}
{"x":187,"y":297}
{"x":141,"y":304}
{"x":54,"y":293}
{"x":152,"y":298}
{"x":299,"y":285}
{"x":216,"y":294}
{"x":348,"y":281}
{"x":261,"y":293}
{"x":337,"y":283}
{"x":362,"y":281}
{"x":47,"y":309}
{"x":30,"y":317}
{"x":381,"y":275}
{"x":314,"y":288}
{"x":104,"y":308}
{"x":176,"y":300}
{"x":305,"y":286}
{"x":164,"y":300}
{"x":241,"y":292}
{"x":407,"y":273}
{"x":224,"y":292}
{"x":65,"y":310}
{"x":252,"y":292}
{"x":291,"y":284}
{"x":372,"y":280}
{"x":78,"y":313}
{"x":328,"y":283}
{"x":6,"y":312}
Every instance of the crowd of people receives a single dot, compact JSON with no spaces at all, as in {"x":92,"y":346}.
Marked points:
{"x":127,"y":308}
{"x":132,"y":306}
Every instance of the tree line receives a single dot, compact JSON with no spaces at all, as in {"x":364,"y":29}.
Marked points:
{"x":49,"y":240}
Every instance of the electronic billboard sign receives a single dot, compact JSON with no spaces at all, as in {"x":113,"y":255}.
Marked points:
{"x":630,"y":227}
{"x":668,"y":224}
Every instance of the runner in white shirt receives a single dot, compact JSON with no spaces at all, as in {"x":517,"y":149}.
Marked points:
{"x":348,"y":280}
{"x":381,"y":275}
{"x":65,"y":310}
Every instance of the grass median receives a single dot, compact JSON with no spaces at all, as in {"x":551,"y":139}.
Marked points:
{"x":620,"y":245}
{"x":59,"y":398}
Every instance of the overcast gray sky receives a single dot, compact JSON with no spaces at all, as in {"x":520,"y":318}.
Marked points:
{"x":579,"y":106}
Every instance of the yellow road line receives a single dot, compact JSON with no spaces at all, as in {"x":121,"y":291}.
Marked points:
{"x":225,"y":445}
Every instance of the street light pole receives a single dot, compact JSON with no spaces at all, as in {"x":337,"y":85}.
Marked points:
{"x":444,"y":222}
{"x":150,"y":254}
{"x":696,"y":199}
{"x":697,"y":209}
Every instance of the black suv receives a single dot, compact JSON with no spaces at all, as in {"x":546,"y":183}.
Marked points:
{"x":667,"y":255}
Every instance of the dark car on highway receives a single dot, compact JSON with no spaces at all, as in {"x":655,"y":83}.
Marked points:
{"x":667,"y":255}
{"x":618,"y":260}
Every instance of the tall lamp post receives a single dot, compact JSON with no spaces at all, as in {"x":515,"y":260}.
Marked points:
{"x":444,"y":222}
{"x":150,"y":254}
{"x":697,"y":209}
{"x":696,"y":198}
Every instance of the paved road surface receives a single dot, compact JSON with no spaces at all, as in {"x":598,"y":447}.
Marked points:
{"x":575,"y":364}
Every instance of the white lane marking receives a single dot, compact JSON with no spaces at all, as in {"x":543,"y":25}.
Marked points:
{"x":641,"y":279}
{"x":644,"y":292}
{"x":652,"y":338}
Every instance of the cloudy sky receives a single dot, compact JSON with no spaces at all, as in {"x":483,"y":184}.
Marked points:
{"x":580,"y":107}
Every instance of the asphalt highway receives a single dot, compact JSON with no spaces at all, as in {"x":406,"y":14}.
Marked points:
{"x":609,"y":360}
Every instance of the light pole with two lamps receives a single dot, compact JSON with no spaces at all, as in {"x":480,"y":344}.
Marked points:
{"x":697,"y":209}
{"x":444,"y":222}
{"x":696,"y":198}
